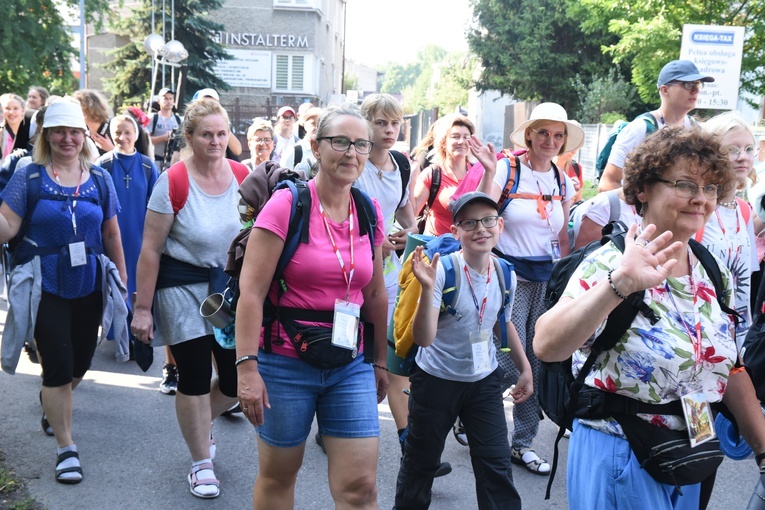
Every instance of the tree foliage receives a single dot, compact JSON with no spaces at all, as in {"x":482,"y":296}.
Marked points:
{"x":436,"y":79}
{"x":608,"y":94}
{"x":533,"y":49}
{"x":193,"y":28}
{"x":649,"y":34}
{"x":36,"y":46}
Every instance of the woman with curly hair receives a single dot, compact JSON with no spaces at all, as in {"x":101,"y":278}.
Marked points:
{"x":677,"y":358}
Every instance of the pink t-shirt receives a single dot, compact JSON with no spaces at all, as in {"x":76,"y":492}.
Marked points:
{"x":440,"y":217}
{"x":313,"y":275}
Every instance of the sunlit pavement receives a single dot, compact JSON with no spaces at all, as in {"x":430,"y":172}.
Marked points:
{"x":133,"y":456}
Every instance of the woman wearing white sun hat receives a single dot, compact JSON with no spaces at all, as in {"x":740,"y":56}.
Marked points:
{"x":535,"y":236}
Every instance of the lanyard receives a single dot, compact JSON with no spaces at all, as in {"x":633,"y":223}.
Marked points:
{"x":73,"y":203}
{"x":481,"y":309}
{"x":695,"y":338}
{"x":347,"y":272}
{"x":541,"y":203}
{"x":734,"y":240}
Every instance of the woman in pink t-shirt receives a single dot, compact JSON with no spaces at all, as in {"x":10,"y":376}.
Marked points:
{"x":332,"y":282}
{"x":450,"y":158}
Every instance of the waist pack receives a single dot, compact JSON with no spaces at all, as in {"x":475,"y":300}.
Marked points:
{"x":313,"y":344}
{"x":667,"y":454}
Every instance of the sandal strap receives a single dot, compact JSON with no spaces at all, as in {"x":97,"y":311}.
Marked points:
{"x":203,"y":481}
{"x":67,"y":455}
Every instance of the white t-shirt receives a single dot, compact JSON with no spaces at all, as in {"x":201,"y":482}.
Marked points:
{"x":387,"y":191}
{"x":598,"y":210}
{"x":726,"y":236}
{"x":526,"y":233}
{"x":631,"y":136}
{"x":450,"y":355}
{"x":282,"y":144}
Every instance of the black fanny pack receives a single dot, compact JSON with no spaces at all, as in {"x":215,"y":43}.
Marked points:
{"x":667,"y":454}
{"x":313,"y":344}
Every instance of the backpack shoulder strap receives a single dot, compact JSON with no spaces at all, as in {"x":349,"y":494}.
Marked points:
{"x":34,"y":184}
{"x":240,"y":171}
{"x":451,"y":283}
{"x":650,"y":122}
{"x":406,"y":171}
{"x":746,"y":209}
{"x":505,"y":274}
{"x":178,"y":119}
{"x":146,"y":164}
{"x":615,"y":206}
{"x":435,"y":184}
{"x":367,"y":215}
{"x":153,"y":123}
{"x":298,"y":154}
{"x":511,"y":184}
{"x":561,"y":178}
{"x":178,"y":185}
{"x":297,"y":231}
{"x":100,"y":180}
{"x":713,"y":271}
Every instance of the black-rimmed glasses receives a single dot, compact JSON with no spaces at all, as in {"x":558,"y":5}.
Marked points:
{"x":487,"y":222}
{"x":342,"y":144}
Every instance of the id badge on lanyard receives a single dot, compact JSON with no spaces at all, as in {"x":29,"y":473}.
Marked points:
{"x":345,"y":327}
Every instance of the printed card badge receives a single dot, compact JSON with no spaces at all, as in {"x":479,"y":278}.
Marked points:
{"x":345,"y":327}
{"x":479,"y":341}
{"x":77,"y":254}
{"x":698,"y":418}
{"x":555,"y":250}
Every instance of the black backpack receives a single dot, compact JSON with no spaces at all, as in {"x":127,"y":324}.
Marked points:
{"x":558,"y":389}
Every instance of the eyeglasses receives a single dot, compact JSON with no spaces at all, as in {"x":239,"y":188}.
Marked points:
{"x":749,"y":151}
{"x":688,"y":189}
{"x":689,"y":85}
{"x":543,"y":133}
{"x":487,"y":222}
{"x":263,"y":140}
{"x":342,"y":144}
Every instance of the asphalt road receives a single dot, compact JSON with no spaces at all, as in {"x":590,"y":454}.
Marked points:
{"x":133,"y":455}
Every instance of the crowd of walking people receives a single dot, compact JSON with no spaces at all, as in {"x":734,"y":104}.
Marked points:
{"x":113,"y":230}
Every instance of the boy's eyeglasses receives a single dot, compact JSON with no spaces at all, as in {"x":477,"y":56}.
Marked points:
{"x":689,"y":85}
{"x":487,"y":222}
{"x":543,"y":133}
{"x":688,"y":189}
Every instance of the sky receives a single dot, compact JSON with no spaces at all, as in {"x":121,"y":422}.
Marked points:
{"x":382,"y":31}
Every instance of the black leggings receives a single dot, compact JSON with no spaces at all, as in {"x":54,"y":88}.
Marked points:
{"x":194,"y":363}
{"x":66,"y":332}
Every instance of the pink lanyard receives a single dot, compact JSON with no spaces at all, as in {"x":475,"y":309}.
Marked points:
{"x":347,"y":272}
{"x":482,"y":308}
{"x":695,"y":339}
{"x":76,"y":194}
{"x":730,"y":242}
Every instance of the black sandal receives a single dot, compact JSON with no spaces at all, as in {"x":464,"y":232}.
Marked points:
{"x":44,"y":421}
{"x":74,"y":469}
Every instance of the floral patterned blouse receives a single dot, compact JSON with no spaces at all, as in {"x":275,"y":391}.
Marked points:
{"x":653,"y":363}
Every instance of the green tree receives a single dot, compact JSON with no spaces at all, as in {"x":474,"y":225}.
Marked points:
{"x":36,"y":46}
{"x":351,"y":81}
{"x":132,"y":65}
{"x":533,"y":49}
{"x":454,"y":82}
{"x":649,"y":34}
{"x":605,"y":95}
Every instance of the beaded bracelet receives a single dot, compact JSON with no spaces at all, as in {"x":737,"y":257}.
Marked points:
{"x":613,"y":287}
{"x":245,"y":358}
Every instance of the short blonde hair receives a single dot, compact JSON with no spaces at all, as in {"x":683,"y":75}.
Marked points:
{"x":382,"y":104}
{"x":41,"y":153}
{"x":726,"y":122}
{"x":199,"y":109}
{"x":260,"y":125}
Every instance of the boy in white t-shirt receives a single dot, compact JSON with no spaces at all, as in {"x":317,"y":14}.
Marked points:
{"x":456,"y":372}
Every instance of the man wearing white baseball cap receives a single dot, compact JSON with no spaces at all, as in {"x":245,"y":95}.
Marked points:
{"x":679,"y":84}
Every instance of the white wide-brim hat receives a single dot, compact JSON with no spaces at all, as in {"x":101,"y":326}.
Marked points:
{"x":555,"y":113}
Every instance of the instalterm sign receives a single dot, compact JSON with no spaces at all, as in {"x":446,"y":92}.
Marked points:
{"x":265,"y":40}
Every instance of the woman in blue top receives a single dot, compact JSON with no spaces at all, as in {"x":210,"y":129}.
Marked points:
{"x":74,"y":219}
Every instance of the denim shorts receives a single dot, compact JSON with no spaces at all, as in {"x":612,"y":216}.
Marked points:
{"x":343,"y":399}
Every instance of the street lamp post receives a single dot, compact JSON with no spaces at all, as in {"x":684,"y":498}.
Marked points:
{"x":170,"y":54}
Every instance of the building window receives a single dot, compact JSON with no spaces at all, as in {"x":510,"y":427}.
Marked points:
{"x":304,"y":4}
{"x":292,"y":73}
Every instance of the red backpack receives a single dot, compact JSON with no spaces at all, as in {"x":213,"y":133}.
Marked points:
{"x":178,"y":182}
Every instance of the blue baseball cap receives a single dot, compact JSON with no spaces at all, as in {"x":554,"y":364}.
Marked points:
{"x":681,"y":70}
